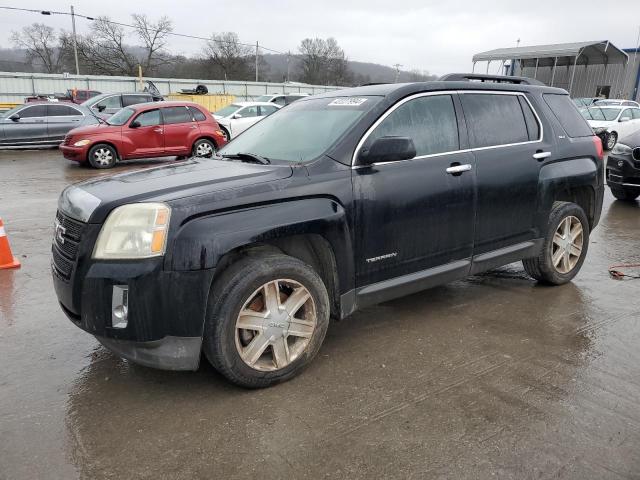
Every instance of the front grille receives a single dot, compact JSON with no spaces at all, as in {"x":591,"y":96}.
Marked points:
{"x":66,"y":242}
{"x":67,"y":140}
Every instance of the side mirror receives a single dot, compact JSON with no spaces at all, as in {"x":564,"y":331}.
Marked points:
{"x":15,"y":117}
{"x":102,"y":108}
{"x":388,"y":149}
{"x":622,"y":120}
{"x":135,"y":124}
{"x":237,"y":115}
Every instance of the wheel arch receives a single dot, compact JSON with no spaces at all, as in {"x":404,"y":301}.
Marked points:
{"x":205,"y":137}
{"x":104,"y":142}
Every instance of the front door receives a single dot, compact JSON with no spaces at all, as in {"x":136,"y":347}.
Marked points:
{"x":505,"y":136}
{"x":178,"y":130}
{"x":146,"y":137}
{"x":412,"y":216}
{"x":29,"y":128}
{"x":243,"y":119}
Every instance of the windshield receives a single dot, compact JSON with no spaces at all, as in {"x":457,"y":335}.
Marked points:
{"x":302,"y":131}
{"x":228,"y":110}
{"x":602,"y":114}
{"x":264,"y":98}
{"x":121,"y":116}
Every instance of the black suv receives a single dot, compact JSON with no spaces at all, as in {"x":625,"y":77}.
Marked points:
{"x":336,"y":202}
{"x":623,"y":168}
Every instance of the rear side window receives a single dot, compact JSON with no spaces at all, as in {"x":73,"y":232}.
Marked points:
{"x":197,"y":114}
{"x":62,"y":111}
{"x":636,"y":113}
{"x":135,"y":99}
{"x":568,"y":115}
{"x":429,"y":121}
{"x":494,"y":119}
{"x":176,"y":115}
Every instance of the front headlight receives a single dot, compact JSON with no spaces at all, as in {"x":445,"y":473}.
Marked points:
{"x":138,"y":230}
{"x":82,"y":143}
{"x":622,"y":149}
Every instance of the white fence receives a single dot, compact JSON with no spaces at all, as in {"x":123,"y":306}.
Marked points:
{"x":15,"y":86}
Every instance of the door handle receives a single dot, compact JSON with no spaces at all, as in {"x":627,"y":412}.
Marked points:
{"x":540,"y":155}
{"x":194,"y":127}
{"x":157,"y":130}
{"x":458,"y":169}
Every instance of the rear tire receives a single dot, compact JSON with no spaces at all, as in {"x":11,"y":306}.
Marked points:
{"x":286,"y":336}
{"x":102,"y":156}
{"x":565,"y":246}
{"x":203,"y":148}
{"x":611,"y":140}
{"x":625,"y":194}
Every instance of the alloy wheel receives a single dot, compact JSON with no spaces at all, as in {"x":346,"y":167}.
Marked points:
{"x":567,"y":244}
{"x":275,"y":325}
{"x":204,"y":149}
{"x":103,"y":156}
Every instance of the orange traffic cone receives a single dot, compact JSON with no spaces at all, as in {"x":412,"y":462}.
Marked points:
{"x":7,"y":260}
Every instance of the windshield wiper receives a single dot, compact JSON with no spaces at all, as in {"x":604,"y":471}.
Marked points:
{"x":249,"y":157}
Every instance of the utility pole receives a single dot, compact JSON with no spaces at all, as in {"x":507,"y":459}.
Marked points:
{"x":288,"y":60}
{"x":257,"y":60}
{"x":397,"y":66}
{"x":75,"y":41}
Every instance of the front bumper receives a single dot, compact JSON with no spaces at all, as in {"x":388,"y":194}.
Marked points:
{"x":77,"y":154}
{"x":623,"y":171}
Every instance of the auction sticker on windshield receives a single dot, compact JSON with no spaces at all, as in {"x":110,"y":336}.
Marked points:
{"x":347,"y":102}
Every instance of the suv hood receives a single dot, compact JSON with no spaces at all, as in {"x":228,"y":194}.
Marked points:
{"x":93,"y":200}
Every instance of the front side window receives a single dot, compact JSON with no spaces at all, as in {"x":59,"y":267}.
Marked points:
{"x":267,"y":110}
{"x":121,"y":117}
{"x":32,"y":112}
{"x":109,"y":102}
{"x":149,"y":119}
{"x":626,"y":115}
{"x":227,"y":111}
{"x":635,"y":112}
{"x":173,"y":115}
{"x":280,"y":101}
{"x":494,"y":119}
{"x":249,"y":112}
{"x":429,"y":121}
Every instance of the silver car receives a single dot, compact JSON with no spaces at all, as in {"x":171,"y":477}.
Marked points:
{"x":41,"y":124}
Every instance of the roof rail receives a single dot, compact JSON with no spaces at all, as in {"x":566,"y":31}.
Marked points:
{"x":478,"y":77}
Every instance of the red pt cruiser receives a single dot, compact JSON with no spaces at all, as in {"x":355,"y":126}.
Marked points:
{"x":146,"y":130}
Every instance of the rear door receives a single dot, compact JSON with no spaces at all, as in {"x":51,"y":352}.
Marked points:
{"x":129,"y":99}
{"x":147,"y":140}
{"x":60,"y":119}
{"x":30,"y":128}
{"x":626,"y":125}
{"x":505,"y":137}
{"x":179,"y":130}
{"x":413,"y":215}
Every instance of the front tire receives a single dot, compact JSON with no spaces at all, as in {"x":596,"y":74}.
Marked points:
{"x":565,"y":246}
{"x":102,"y":156}
{"x":203,"y":148}
{"x":266,"y":319}
{"x":612,"y":139}
{"x":625,"y":194}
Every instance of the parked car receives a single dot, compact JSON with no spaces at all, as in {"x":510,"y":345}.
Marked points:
{"x":145,"y":130}
{"x":237,"y":117}
{"x":584,"y":102}
{"x":334,"y":203}
{"x":107,"y":104}
{"x":281,"y":99}
{"x":623,"y":168}
{"x":611,"y":123}
{"x":41,"y":124}
{"x":72,"y":95}
{"x":612,"y":102}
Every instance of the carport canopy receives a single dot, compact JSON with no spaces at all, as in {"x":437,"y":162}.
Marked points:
{"x":559,"y":54}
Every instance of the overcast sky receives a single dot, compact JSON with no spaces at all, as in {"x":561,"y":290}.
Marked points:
{"x":437,"y":36}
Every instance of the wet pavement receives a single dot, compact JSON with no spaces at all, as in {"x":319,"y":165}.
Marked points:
{"x":494,"y":376}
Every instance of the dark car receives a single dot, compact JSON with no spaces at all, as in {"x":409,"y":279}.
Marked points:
{"x":107,"y":104}
{"x":146,"y":130}
{"x":42,"y":124}
{"x":334,"y":203}
{"x":623,"y":168}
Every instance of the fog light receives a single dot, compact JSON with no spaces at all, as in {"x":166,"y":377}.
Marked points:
{"x":120,"y":306}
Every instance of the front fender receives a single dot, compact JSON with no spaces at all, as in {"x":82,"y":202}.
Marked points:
{"x":202,"y":241}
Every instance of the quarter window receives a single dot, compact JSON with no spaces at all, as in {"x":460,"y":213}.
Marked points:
{"x":176,"y":115}
{"x":494,"y":119}
{"x":429,"y":121}
{"x":568,"y":115}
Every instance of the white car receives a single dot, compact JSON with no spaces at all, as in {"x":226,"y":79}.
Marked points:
{"x":237,"y":117}
{"x":281,"y":99}
{"x":614,"y":102}
{"x":611,"y":123}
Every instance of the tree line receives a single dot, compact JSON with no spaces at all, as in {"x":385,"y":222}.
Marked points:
{"x":111,"y":48}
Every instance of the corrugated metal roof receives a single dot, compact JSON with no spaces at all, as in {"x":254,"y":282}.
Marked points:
{"x":595,"y":52}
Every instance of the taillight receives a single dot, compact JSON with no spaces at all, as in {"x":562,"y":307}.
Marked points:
{"x":597,"y":141}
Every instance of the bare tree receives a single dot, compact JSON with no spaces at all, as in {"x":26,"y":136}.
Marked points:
{"x":105,"y":50}
{"x":224,"y":52}
{"x":323,"y":62}
{"x":41,"y":43}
